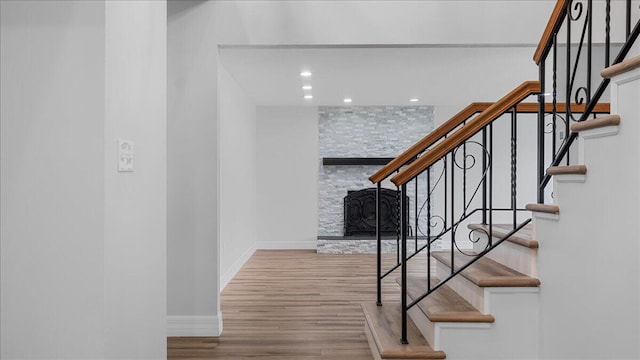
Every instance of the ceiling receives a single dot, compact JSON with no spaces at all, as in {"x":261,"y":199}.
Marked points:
{"x":437,"y":75}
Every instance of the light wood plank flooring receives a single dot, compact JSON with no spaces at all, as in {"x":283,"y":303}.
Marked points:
{"x":286,"y":304}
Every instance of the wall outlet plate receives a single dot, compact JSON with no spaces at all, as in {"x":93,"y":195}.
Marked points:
{"x":125,"y":155}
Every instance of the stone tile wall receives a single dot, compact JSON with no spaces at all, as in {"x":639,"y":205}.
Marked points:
{"x":368,"y":131}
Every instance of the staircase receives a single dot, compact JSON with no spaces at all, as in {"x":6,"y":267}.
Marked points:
{"x":473,"y":315}
{"x":562,"y":284}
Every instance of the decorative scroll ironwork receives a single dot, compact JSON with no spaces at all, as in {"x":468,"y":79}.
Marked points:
{"x":579,"y":68}
{"x":581,"y":94}
{"x":467,"y":201}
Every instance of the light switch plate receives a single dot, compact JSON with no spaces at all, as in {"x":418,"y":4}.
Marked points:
{"x":125,"y":155}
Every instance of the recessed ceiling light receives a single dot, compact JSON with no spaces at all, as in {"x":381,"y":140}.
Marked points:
{"x":347,"y":100}
{"x":305,"y":73}
{"x":307,"y":87}
{"x":414,"y":99}
{"x":308,"y":97}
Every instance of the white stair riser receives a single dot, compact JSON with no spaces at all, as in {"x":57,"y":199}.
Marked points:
{"x":465,"y":288}
{"x":517,"y":257}
{"x":514,"y":334}
{"x":515,"y":328}
{"x":426,"y":327}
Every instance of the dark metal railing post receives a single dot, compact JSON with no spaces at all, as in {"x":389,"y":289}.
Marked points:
{"x":569,"y":83}
{"x":403,"y":227}
{"x":607,"y":33}
{"x":453,"y":216}
{"x":490,"y":171}
{"x":628,"y":22}
{"x":589,"y":52}
{"x":484,"y":181}
{"x":415,"y":214}
{"x":379,"y":243}
{"x":464,"y":178}
{"x":399,"y":224}
{"x":554,"y":96}
{"x":429,"y":228}
{"x":541,"y":171}
{"x":514,"y":164}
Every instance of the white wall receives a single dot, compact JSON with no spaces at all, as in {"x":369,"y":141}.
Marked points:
{"x":83,"y":247}
{"x":135,"y":222}
{"x":193,"y":265}
{"x":287,"y":147}
{"x":52,"y":184}
{"x":238,"y":177}
{"x":589,"y":258}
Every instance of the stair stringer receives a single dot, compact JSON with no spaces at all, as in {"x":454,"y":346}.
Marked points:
{"x":589,"y":255}
{"x":514,"y":334}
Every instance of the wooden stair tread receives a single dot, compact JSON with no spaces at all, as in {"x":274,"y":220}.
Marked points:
{"x":543,"y":208}
{"x":567,"y":170}
{"x":621,"y":68}
{"x":523,"y":237}
{"x":384,"y":322}
{"x":444,"y":304}
{"x":486,"y":272}
{"x":600,"y":122}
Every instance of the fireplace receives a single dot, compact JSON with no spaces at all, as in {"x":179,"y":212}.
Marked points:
{"x":360,"y":212}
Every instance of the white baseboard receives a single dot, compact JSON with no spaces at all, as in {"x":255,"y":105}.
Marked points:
{"x":287,"y":245}
{"x":194,"y":325}
{"x":235,"y":267}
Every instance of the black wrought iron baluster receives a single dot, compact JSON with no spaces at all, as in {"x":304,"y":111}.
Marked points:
{"x":554,"y":95}
{"x":403,"y":218}
{"x":484,"y":181}
{"x":568,"y":74}
{"x":514,"y":139}
{"x":564,"y":149}
{"x":453,"y":191}
{"x":398,"y":224}
{"x":490,"y":184}
{"x":379,"y":243}
{"x":607,"y":33}
{"x":415,"y":202}
{"x":429,"y":228}
{"x":628,"y":20}
{"x":464,"y":178}
{"x":446,"y":189}
{"x":541,"y":113}
{"x":589,"y":53}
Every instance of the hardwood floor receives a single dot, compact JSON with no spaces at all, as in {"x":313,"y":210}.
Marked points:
{"x":286,"y":304}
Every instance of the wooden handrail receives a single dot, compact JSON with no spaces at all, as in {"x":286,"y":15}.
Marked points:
{"x":555,"y":21}
{"x":473,"y":108}
{"x":533,"y":108}
{"x":561,"y":107}
{"x":471,"y":128}
{"x":428,"y":140}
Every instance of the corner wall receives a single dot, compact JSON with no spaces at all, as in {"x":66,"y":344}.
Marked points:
{"x":193,"y":262}
{"x":238,"y":177}
{"x":287,"y":156}
{"x":135,"y":218}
